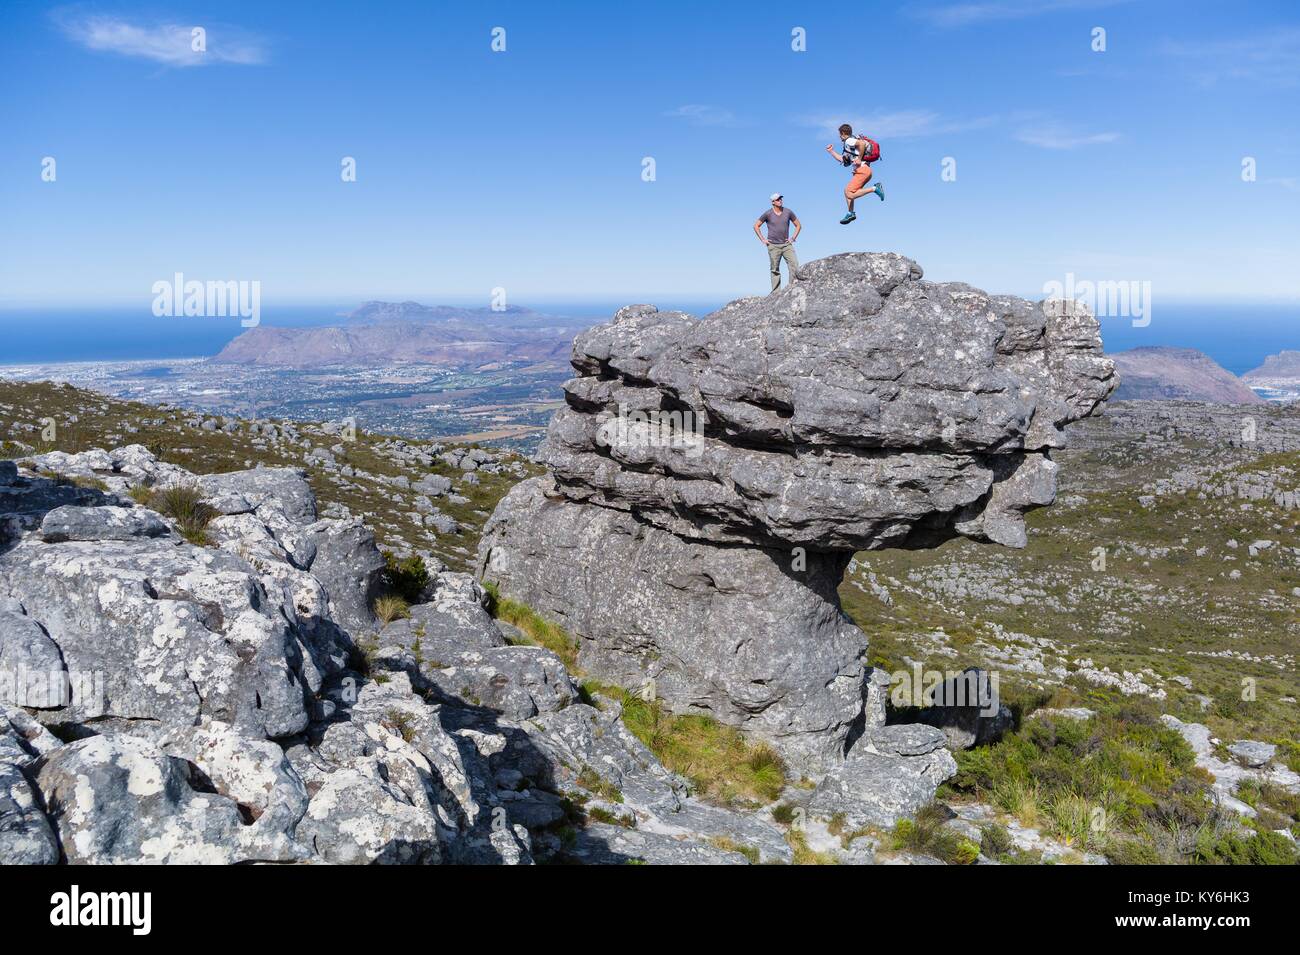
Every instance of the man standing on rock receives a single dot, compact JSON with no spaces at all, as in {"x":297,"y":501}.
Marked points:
{"x":779,"y":242}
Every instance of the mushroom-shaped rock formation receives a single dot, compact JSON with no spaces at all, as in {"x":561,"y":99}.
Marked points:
{"x":711,"y":478}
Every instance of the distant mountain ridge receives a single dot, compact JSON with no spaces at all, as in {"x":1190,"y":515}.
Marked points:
{"x":1164,"y":373}
{"x":377,"y":312}
{"x":384,"y":332}
{"x":1284,"y":365}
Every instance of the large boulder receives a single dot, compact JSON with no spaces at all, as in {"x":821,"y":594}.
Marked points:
{"x":713,"y":627}
{"x":342,"y":556}
{"x":968,"y":709}
{"x":25,"y":835}
{"x":162,"y":630}
{"x":710,"y":479}
{"x":280,"y":497}
{"x":121,"y":799}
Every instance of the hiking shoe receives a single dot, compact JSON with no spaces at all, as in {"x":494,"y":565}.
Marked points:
{"x":848,"y":217}
{"x":880,"y":191}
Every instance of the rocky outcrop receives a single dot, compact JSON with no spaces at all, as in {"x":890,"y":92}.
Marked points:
{"x":1251,"y":763}
{"x":650,"y":605}
{"x":968,"y":709}
{"x":239,"y":702}
{"x":710,"y":479}
{"x":889,"y":774}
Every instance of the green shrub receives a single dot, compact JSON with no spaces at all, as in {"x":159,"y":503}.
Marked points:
{"x":598,"y":785}
{"x":400,"y":723}
{"x":995,"y":841}
{"x":803,"y":853}
{"x":1056,"y":773}
{"x":406,"y":577}
{"x":184,"y":504}
{"x":1231,"y":847}
{"x":364,"y":648}
{"x":600,"y":814}
{"x":928,"y":834}
{"x":784,"y":814}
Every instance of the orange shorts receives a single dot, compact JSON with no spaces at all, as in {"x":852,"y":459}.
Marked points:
{"x":861,"y":176}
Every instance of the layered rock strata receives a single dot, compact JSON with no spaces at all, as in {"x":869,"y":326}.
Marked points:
{"x":709,"y":479}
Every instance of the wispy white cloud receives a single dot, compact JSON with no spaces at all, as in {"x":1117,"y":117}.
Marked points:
{"x":900,"y":124}
{"x":1028,"y":126}
{"x":172,"y":44}
{"x":982,"y":11}
{"x":1054,"y":135}
{"x":699,"y":114}
{"x":1271,"y":59}
{"x":1289,"y":183}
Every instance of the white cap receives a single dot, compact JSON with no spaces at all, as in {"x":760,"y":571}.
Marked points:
{"x":775,"y":196}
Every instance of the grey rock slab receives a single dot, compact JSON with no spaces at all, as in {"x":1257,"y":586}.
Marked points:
{"x":701,"y":821}
{"x":74,"y":523}
{"x":160,"y":629}
{"x":878,"y":790}
{"x":604,"y":844}
{"x":518,"y":682}
{"x":281,"y":497}
{"x":902,"y":739}
{"x":580,"y":737}
{"x":1252,"y":753}
{"x":357,"y":818}
{"x":31,"y":667}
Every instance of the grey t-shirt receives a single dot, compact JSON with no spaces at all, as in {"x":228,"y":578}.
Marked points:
{"x":778,"y":226}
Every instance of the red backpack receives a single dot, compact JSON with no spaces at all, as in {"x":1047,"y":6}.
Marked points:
{"x":870,"y":149}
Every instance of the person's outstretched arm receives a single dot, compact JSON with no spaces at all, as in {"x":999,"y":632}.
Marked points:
{"x":834,"y":155}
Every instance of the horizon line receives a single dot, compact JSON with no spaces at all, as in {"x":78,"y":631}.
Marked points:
{"x":621,"y":301}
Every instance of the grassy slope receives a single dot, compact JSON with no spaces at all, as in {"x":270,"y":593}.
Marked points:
{"x":1165,"y":605}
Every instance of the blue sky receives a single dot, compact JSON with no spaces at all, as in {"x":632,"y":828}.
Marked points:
{"x":522,"y":169}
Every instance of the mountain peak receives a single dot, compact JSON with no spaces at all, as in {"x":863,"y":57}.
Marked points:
{"x":1164,"y":372}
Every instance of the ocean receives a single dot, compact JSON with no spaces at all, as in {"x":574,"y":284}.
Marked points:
{"x":1238,"y":337}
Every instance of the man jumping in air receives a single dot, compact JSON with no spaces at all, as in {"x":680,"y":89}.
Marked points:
{"x":779,"y":241}
{"x":859,"y":152}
